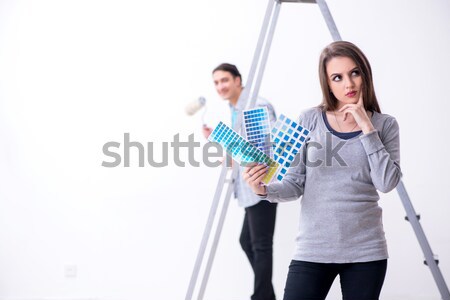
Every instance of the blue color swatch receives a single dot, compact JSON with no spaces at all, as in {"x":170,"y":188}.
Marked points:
{"x":287,"y":138}
{"x":257,"y":128}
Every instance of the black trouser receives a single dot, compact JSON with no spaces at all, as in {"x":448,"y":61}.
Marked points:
{"x":312,"y":281}
{"x":256,"y":240}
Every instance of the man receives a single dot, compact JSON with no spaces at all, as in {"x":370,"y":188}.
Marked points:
{"x":259,"y":222}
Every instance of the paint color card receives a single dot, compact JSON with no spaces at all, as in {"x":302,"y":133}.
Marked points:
{"x":257,"y":128}
{"x":287,"y":139}
{"x":241,"y":150}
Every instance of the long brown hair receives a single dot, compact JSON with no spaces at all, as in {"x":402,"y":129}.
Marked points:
{"x":347,"y":49}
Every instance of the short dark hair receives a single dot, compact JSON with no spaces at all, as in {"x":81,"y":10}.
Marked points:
{"x":232,"y":69}
{"x":347,"y":49}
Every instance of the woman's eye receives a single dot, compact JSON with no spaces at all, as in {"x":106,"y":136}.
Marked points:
{"x":355,"y":73}
{"x":336,"y":78}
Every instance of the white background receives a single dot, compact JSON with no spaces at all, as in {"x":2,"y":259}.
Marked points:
{"x":77,"y":74}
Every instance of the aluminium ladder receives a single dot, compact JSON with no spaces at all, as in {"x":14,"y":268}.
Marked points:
{"x":259,"y":63}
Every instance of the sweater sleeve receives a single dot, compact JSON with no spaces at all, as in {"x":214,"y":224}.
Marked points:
{"x":292,"y":186}
{"x":383,"y":153}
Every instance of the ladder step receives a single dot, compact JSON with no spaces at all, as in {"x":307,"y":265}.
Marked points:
{"x":417,"y":217}
{"x":436,"y":261}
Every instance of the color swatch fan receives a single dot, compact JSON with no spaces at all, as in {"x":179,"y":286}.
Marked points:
{"x":287,"y":139}
{"x":241,"y":150}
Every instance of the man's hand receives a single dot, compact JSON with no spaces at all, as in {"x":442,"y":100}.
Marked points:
{"x":206,"y":131}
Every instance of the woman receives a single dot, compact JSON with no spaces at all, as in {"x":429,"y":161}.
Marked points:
{"x":352,"y":151}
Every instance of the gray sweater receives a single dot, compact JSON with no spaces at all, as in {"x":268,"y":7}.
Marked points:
{"x":340,"y":220}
